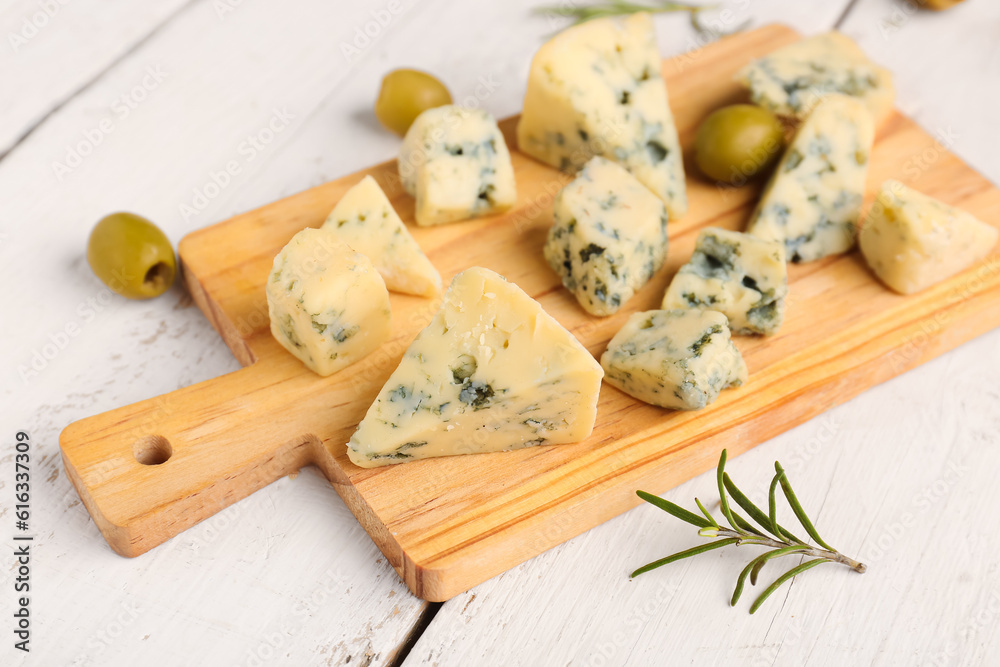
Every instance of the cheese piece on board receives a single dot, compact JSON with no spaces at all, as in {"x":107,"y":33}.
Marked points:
{"x":679,"y":359}
{"x":813,"y":199}
{"x":739,"y":275}
{"x":455,"y":163}
{"x":793,"y":79}
{"x":608,"y":238}
{"x":327,"y":304}
{"x":596,"y":89}
{"x":912,"y":241}
{"x":366,"y":221}
{"x":491,"y":372}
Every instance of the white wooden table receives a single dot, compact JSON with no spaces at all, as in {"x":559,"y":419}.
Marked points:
{"x":118,"y":105}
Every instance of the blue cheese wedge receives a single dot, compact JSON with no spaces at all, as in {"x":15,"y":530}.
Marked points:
{"x":327,"y":304}
{"x":679,"y":359}
{"x":596,"y":89}
{"x":741,"y":276}
{"x":912,"y":241}
{"x":455,"y":163}
{"x":366,"y":221}
{"x":608,"y":238}
{"x":813,"y":199}
{"x":792,"y":80}
{"x":491,"y":372}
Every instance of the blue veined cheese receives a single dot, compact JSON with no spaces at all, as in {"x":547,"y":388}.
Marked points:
{"x":366,"y":221}
{"x":609,"y":236}
{"x":327,"y":304}
{"x":679,"y":359}
{"x":793,"y":79}
{"x":455,"y":163}
{"x":596,"y":89}
{"x":739,"y":275}
{"x":813,"y":199}
{"x":491,"y":372}
{"x":912,"y":241}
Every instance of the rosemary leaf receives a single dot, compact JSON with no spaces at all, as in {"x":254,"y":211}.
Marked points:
{"x":754,"y":566}
{"x":719,"y":471}
{"x":800,"y":513}
{"x":673,"y":509}
{"x":708,"y":515}
{"x":684,"y":554}
{"x":772,"y":509}
{"x":798,"y":569}
{"x":756,"y":513}
{"x":746,"y":526}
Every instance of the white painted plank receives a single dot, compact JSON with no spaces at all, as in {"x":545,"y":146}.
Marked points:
{"x":54,"y":47}
{"x":900,"y":477}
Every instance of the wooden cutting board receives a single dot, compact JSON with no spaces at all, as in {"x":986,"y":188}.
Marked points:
{"x":150,"y":470}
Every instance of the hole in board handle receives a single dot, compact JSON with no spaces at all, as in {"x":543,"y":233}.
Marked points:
{"x":152,"y":450}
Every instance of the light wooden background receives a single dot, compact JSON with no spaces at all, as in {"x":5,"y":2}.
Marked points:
{"x":903,"y":477}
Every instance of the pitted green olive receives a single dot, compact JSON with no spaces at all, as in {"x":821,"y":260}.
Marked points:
{"x":736,"y":143}
{"x":131,"y":256}
{"x":405,"y":94}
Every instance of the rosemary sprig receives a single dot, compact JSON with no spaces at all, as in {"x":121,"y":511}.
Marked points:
{"x":583,"y":13}
{"x":743,"y":532}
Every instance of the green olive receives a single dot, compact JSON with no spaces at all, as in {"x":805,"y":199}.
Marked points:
{"x":131,"y":256}
{"x":405,"y":94}
{"x":737,"y":142}
{"x":938,"y":5}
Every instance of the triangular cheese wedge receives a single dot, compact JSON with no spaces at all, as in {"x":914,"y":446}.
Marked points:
{"x":366,"y":221}
{"x":597,"y":89}
{"x":813,"y":200}
{"x":912,"y":241}
{"x":491,"y":372}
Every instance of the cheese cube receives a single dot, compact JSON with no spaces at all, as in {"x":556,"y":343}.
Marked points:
{"x":609,"y":236}
{"x":912,"y":241}
{"x":456,"y":164}
{"x":741,"y":276}
{"x":366,"y":221}
{"x":596,"y":89}
{"x":679,"y":359}
{"x":327,"y":304}
{"x":813,"y":199}
{"x":793,"y":79}
{"x":491,"y":372}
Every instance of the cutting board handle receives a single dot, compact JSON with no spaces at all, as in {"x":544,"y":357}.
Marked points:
{"x":150,"y":470}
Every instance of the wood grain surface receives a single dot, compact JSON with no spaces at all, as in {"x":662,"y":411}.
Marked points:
{"x":446,"y":525}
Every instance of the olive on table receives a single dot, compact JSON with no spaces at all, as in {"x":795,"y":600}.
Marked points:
{"x":131,"y":256}
{"x":737,"y":142}
{"x":938,"y":5}
{"x":405,"y":94}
